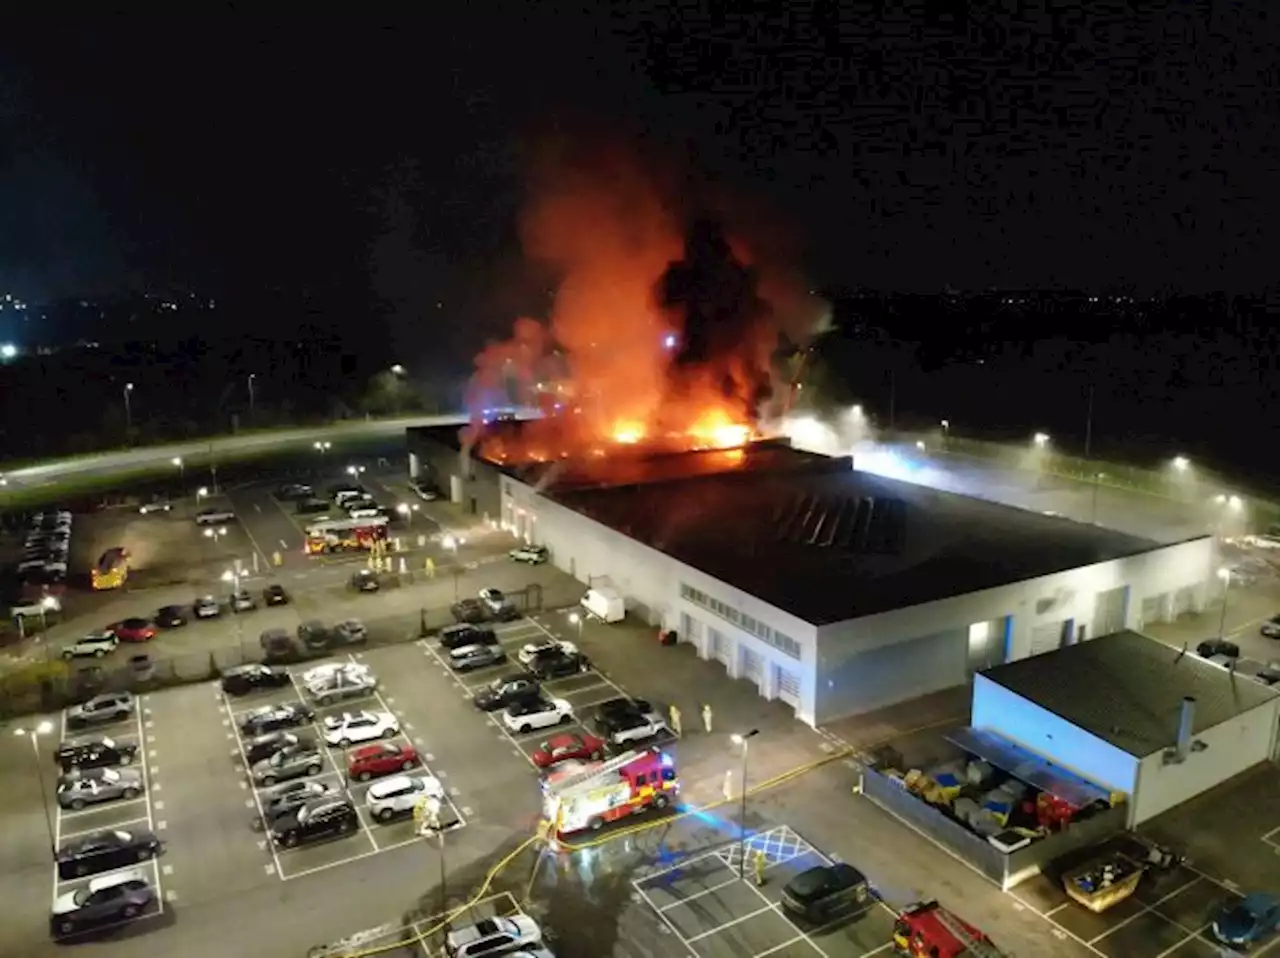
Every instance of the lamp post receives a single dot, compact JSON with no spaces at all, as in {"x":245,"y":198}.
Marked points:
{"x":407,"y":510}
{"x":181,"y":467}
{"x":397,"y":370}
{"x":213,"y":535}
{"x":321,"y":447}
{"x":201,"y":494}
{"x":252,"y":397}
{"x":451,"y":544}
{"x":33,"y":734}
{"x":128,"y":408}
{"x":742,"y":739}
{"x":1225,"y":575}
{"x":946,"y":431}
{"x":427,"y":812}
{"x":575,"y":619}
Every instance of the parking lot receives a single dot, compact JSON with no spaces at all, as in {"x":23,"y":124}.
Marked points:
{"x":371,"y":837}
{"x":715,"y":913}
{"x":583,"y":691}
{"x":124,"y":814}
{"x":419,"y":937}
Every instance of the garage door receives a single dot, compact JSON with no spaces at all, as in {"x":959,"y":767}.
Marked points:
{"x":752,"y":666}
{"x":1049,"y":636}
{"x":1110,"y":609}
{"x":1184,"y":601}
{"x":788,"y":686}
{"x":721,"y":647}
{"x":1153,"y":608}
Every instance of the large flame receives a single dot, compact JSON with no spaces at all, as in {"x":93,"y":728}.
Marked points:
{"x":657,"y":338}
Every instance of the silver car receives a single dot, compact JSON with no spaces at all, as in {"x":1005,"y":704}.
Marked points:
{"x":97,"y":785}
{"x":292,"y":761}
{"x":345,"y":683}
{"x":109,"y":707}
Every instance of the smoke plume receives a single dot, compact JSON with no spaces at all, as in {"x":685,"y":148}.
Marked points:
{"x":661,"y":329}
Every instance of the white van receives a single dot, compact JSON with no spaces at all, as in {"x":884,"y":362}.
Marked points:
{"x":605,"y":604}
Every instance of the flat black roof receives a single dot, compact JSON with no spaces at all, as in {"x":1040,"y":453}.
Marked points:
{"x":1127,"y":689}
{"x":827,"y":543}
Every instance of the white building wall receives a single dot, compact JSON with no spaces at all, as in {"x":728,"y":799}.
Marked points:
{"x":1233,"y":747}
{"x":999,"y":710}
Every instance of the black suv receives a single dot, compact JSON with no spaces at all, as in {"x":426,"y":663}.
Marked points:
{"x":556,"y":663}
{"x":500,"y":693}
{"x":95,"y":753}
{"x":470,"y":611}
{"x":105,"y":850}
{"x":315,"y":821}
{"x":456,"y":636}
{"x":619,"y":713}
{"x":243,"y":679}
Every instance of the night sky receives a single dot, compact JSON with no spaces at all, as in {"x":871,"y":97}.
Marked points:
{"x":1091,"y":150}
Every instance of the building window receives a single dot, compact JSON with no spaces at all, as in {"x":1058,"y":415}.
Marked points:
{"x":779,"y":640}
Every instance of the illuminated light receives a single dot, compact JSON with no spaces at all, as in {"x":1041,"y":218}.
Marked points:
{"x":8,"y":351}
{"x":667,"y":761}
{"x":669,"y":341}
{"x":1041,"y":438}
{"x":1181,"y":463}
{"x":628,"y":433}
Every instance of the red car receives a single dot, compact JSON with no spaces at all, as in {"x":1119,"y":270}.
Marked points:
{"x":133,"y":630}
{"x":370,"y":761}
{"x":562,"y":748}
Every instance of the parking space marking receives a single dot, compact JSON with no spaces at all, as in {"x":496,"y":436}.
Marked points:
{"x":125,"y":825}
{"x":257,"y":799}
{"x":1154,"y":907}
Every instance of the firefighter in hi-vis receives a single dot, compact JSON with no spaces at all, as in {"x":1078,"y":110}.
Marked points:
{"x":758,"y":864}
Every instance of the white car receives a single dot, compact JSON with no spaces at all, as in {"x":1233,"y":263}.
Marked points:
{"x":531,"y":651}
{"x":159,"y":505}
{"x":322,"y":673}
{"x":537,"y":713}
{"x":47,"y":565}
{"x":399,"y":794}
{"x":534,"y":555}
{"x":37,"y":607}
{"x":635,"y":728}
{"x":206,"y":607}
{"x":346,"y":683}
{"x":94,"y":645}
{"x":211,"y":517}
{"x":493,"y":936}
{"x":350,"y":728}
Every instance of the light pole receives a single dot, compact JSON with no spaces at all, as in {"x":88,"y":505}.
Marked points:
{"x":213,"y":535}
{"x":34,"y":733}
{"x":397,"y":370}
{"x":355,"y":472}
{"x":1225,"y":575}
{"x":201,"y":493}
{"x":427,"y":812}
{"x":575,"y":619}
{"x":181,"y":467}
{"x":451,"y":544}
{"x":252,"y":398}
{"x":407,"y":511}
{"x":321,"y":447}
{"x":1041,"y":439}
{"x":128,"y":408}
{"x":742,"y":739}
{"x":946,"y":431}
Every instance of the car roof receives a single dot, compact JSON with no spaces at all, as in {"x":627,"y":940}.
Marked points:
{"x":395,"y":783}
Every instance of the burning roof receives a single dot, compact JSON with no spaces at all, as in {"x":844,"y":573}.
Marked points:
{"x":662,"y":326}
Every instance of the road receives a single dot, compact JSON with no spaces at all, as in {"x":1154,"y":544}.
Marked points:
{"x":202,"y":452}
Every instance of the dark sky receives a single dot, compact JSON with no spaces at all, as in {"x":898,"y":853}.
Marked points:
{"x":1091,"y":150}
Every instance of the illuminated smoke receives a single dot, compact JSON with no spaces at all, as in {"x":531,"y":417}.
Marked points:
{"x":660,"y":332}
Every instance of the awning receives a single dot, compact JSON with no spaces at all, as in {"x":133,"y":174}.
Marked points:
{"x":1027,"y":766}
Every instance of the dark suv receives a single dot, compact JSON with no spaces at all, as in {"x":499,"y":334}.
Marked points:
{"x":456,"y":636}
{"x":315,"y":821}
{"x":100,"y":752}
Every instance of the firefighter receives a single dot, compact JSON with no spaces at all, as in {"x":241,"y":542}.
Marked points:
{"x":675,"y":721}
{"x":706,"y":718}
{"x":757,"y":866}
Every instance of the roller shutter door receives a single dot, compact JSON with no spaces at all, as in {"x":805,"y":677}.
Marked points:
{"x":721,"y":648}
{"x":752,"y":666}
{"x":1110,"y":611}
{"x":1153,"y":608}
{"x":1047,"y":637}
{"x":788,"y":686}
{"x":1184,"y":601}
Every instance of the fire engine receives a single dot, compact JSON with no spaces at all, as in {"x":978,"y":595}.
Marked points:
{"x":602,"y":792}
{"x":345,"y":535}
{"x":927,"y":930}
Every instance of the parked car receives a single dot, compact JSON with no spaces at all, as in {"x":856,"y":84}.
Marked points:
{"x":533,"y":555}
{"x":381,"y":758}
{"x":501,"y":692}
{"x":626,"y":727}
{"x":40,"y":608}
{"x":568,"y":747}
{"x":351,"y":728}
{"x":104,"y":850}
{"x":425,"y":491}
{"x":276,"y":718}
{"x":467,"y":658}
{"x":611,"y":709}
{"x":329,"y":817}
{"x":292,"y":795}
{"x":242,"y":601}
{"x":469,"y":611}
{"x":1271,"y":627}
{"x":264,"y":746}
{"x":557,"y":664}
{"x":92,"y":646}
{"x":293,"y":761}
{"x":817,"y":894}
{"x":171,"y":617}
{"x":396,"y":797}
{"x":133,"y":630}
{"x":275,"y":594}
{"x":350,"y":632}
{"x":456,"y":636}
{"x":213,"y":517}
{"x":349,"y":681}
{"x":243,"y":679}
{"x":498,"y":605}
{"x":532,"y":650}
{"x":1211,"y":647}
{"x":530,"y":714}
{"x":1243,"y":922}
{"x":155,"y":505}
{"x":493,"y":936}
{"x":293,"y":491}
{"x":97,"y":752}
{"x":313,"y":634}
{"x":97,"y":785}
{"x":365,"y":580}
{"x":119,"y":896}
{"x":108,"y":707}
{"x":206,"y":607}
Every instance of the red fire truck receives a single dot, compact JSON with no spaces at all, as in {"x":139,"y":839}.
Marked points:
{"x":603,"y":792}
{"x":927,"y":930}
{"x":345,"y":535}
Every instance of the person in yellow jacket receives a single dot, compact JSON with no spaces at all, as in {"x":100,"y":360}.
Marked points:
{"x":758,"y":864}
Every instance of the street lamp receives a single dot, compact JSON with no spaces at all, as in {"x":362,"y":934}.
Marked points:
{"x":355,"y":471}
{"x":213,"y":535}
{"x":920,"y":444}
{"x":322,"y":447}
{"x":252,"y":397}
{"x":742,"y":739}
{"x":1181,"y":463}
{"x":128,"y":407}
{"x":181,"y":467}
{"x":34,"y":733}
{"x":1225,"y":575}
{"x":451,"y":544}
{"x":398,"y":370}
{"x":201,"y":493}
{"x":1041,"y":439}
{"x":576,"y":620}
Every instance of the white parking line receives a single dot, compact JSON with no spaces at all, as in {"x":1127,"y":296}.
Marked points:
{"x":1152,"y":907}
{"x":125,"y":825}
{"x":97,"y":809}
{"x":257,"y":799}
{"x":147,"y":784}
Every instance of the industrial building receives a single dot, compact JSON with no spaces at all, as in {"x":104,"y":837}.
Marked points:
{"x":1132,"y":715}
{"x":834,"y":591}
